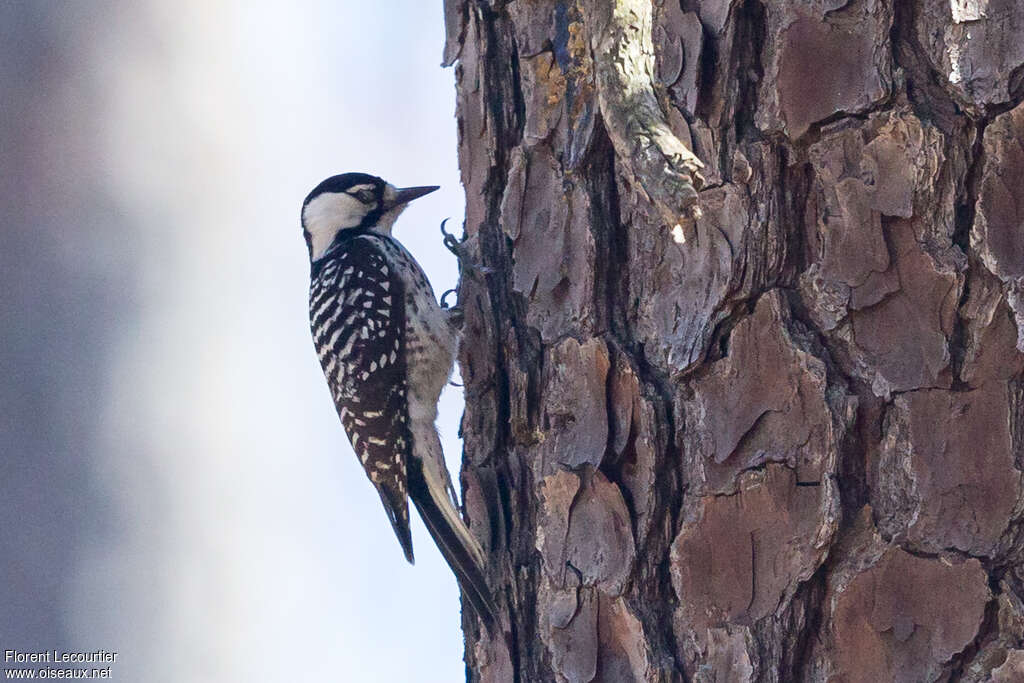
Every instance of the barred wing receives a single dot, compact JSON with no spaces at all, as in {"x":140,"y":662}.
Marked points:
{"x":357,"y":318}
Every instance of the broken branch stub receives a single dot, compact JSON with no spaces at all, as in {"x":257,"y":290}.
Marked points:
{"x":656,"y":160}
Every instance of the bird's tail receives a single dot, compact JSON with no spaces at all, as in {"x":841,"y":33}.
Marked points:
{"x":429,"y":491}
{"x":396,"y":505}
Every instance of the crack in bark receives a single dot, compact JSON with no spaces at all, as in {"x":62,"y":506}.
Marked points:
{"x":751,"y":29}
{"x":926,"y":88}
{"x":964,"y":217}
{"x":958,"y":663}
{"x":500,"y":84}
{"x":621,"y":341}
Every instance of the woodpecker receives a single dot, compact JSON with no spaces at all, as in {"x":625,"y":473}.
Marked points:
{"x":387,"y":349}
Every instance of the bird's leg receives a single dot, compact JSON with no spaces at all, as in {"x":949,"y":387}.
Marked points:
{"x":454,"y":245}
{"x":460,"y":250}
{"x":451,"y":242}
{"x":466,"y":267}
{"x":452,"y":313}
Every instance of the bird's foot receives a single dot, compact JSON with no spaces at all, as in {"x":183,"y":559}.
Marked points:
{"x":461,"y":251}
{"x":444,"y":304}
{"x":451,"y":242}
{"x":453,"y":314}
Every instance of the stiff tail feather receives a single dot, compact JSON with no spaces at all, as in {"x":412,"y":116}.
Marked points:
{"x":396,"y":505}
{"x":456,"y":543}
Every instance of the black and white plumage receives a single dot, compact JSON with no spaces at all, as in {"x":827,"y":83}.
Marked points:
{"x":387,"y":350}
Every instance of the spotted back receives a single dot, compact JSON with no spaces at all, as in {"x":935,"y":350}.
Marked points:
{"x":357,"y":317}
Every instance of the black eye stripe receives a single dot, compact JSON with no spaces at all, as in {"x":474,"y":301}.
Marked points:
{"x":363,"y":196}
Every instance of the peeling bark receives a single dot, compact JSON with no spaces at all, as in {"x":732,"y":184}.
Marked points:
{"x":786,"y":443}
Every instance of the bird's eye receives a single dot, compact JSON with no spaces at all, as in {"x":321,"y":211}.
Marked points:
{"x":366,"y":196}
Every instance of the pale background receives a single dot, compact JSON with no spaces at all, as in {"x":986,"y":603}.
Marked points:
{"x":174,"y":482}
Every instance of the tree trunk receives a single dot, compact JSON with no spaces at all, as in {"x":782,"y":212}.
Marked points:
{"x":775,"y":435}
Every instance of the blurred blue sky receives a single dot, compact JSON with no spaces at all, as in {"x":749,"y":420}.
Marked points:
{"x":237,"y":538}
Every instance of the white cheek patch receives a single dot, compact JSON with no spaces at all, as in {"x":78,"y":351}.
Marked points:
{"x":330,"y":213}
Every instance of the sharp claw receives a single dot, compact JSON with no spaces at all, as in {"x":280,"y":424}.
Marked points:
{"x":451,"y":242}
{"x":445,"y":295}
{"x":456,"y":246}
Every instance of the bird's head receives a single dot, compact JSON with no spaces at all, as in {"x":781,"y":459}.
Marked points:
{"x":352,"y":201}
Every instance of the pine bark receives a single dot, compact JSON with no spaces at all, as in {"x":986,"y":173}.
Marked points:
{"x":760,"y":420}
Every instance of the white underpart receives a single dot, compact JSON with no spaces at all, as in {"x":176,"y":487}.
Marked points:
{"x":431,"y":347}
{"x":331,"y":212}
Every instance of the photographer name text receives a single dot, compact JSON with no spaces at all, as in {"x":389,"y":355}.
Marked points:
{"x":58,"y":656}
